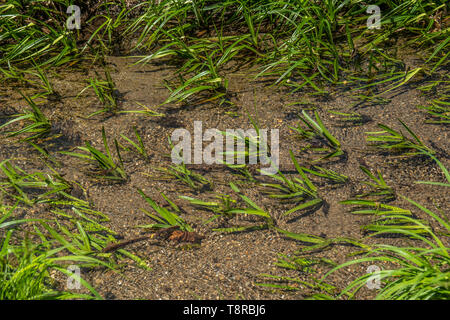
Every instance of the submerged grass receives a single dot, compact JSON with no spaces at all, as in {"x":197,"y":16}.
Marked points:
{"x":39,"y":126}
{"x":423,"y":272}
{"x":418,"y":271}
{"x":108,"y":167}
{"x":299,"y":45}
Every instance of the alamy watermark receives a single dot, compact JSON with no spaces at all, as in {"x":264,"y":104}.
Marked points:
{"x":233,"y":146}
{"x":374,"y":21}
{"x":374,"y":281}
{"x":74,"y":21}
{"x":73,"y":281}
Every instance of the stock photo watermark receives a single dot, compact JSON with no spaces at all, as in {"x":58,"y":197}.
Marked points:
{"x":374,"y":21}
{"x":74,"y":21}
{"x":239,"y":147}
{"x":374,"y":281}
{"x":73,"y":281}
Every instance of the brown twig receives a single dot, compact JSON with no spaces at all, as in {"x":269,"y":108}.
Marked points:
{"x":162,"y":234}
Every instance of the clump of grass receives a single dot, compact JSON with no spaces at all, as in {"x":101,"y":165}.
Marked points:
{"x":52,"y":190}
{"x":109,"y":168}
{"x":415,"y":272}
{"x":297,"y":44}
{"x":374,"y":203}
{"x":306,"y":266}
{"x":298,"y":190}
{"x":386,"y":216}
{"x":45,"y":83}
{"x":396,"y":142}
{"x":34,"y":31}
{"x":423,"y":272}
{"x":25,"y":266}
{"x":349,"y":117}
{"x":303,"y":265}
{"x":315,"y":129}
{"x":26,"y":263}
{"x":108,"y":35}
{"x":180,"y":172}
{"x":106,"y":92}
{"x":442,"y":167}
{"x":193,"y":180}
{"x":438,"y":109}
{"x":251,"y":209}
{"x":39,"y":126}
{"x":205,"y":82}
{"x":380,"y":190}
{"x":202,"y":61}
{"x":251,"y":147}
{"x":139,"y":146}
{"x":22,"y":183}
{"x":400,"y":77}
{"x":221,"y":208}
{"x":164,"y":218}
{"x":147,"y":111}
{"x":332,"y":176}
